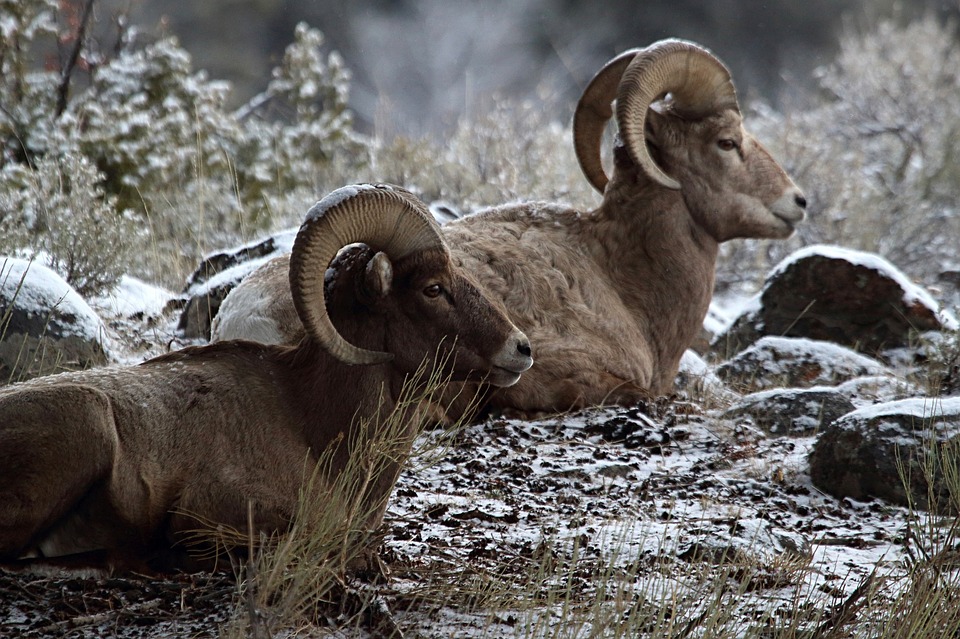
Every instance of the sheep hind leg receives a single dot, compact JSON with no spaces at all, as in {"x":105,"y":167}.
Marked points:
{"x":55,"y":443}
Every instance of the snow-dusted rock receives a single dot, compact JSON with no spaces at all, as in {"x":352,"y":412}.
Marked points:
{"x":795,"y":363}
{"x":219,"y":272}
{"x":792,"y":411}
{"x":876,"y":389}
{"x":889,"y":450}
{"x":45,"y":326}
{"x":848,"y":297}
{"x":696,"y":378}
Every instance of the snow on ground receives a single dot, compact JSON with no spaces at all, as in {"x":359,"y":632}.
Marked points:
{"x":625,"y":491}
{"x":132,"y":298}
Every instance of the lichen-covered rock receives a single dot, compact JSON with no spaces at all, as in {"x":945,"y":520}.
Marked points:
{"x":792,"y":411}
{"x":893,"y":451}
{"x":218,"y":273}
{"x":45,"y":326}
{"x":838,"y":295}
{"x":795,"y":363}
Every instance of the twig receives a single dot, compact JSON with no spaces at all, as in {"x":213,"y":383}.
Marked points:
{"x":64,"y":88}
{"x":258,"y":628}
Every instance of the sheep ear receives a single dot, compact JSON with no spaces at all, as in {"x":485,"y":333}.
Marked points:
{"x":654,"y":126}
{"x":378,"y":277}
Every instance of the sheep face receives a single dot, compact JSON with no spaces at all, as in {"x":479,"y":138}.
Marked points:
{"x":730,"y":183}
{"x":428,"y":310}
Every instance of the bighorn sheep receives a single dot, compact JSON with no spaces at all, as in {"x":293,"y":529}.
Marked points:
{"x":611,"y":298}
{"x":122,"y":462}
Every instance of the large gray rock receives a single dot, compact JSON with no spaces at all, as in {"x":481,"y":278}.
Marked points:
{"x":792,"y":411}
{"x":218,"y":273}
{"x":795,"y":363}
{"x":893,"y":451}
{"x":847,"y":297}
{"x":45,"y":326}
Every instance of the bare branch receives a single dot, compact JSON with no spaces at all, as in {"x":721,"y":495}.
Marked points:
{"x":64,"y":88}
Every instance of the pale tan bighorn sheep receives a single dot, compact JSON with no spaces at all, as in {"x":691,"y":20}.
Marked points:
{"x":118,"y":464}
{"x":610,"y":298}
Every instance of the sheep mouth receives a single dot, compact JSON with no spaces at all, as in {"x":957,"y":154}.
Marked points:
{"x":787,"y":226}
{"x":499,"y":376}
{"x":787,"y":210}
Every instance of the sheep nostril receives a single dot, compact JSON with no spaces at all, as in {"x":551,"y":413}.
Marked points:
{"x":524,"y":349}
{"x":801,"y":201}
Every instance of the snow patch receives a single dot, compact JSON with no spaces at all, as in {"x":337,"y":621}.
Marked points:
{"x":923,"y":409}
{"x":131,"y":298}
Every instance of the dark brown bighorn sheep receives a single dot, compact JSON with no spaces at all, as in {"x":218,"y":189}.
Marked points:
{"x":611,"y":298}
{"x":120,"y":463}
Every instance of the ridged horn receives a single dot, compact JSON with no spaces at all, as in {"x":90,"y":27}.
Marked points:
{"x":594,"y":110}
{"x":699,"y":85}
{"x":384,"y":217}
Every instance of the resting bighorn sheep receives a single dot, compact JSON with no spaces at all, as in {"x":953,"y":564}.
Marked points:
{"x":611,"y":298}
{"x":122,"y":462}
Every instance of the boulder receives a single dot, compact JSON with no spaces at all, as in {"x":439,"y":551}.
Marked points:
{"x":847,"y":297}
{"x":792,"y":411}
{"x":795,"y":363}
{"x":896,"y":451}
{"x":45,"y":326}
{"x":218,"y":273}
{"x":876,"y":389}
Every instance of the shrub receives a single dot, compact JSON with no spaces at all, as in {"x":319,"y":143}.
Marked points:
{"x":60,"y":211}
{"x":169,"y":149}
{"x":517,"y":151}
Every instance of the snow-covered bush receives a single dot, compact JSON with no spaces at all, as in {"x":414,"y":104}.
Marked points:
{"x":27,"y":95}
{"x":60,"y":212}
{"x":169,"y":148}
{"x":875,"y":151}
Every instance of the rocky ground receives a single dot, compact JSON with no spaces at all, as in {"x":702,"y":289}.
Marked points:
{"x":655,"y":494}
{"x":567,"y":526}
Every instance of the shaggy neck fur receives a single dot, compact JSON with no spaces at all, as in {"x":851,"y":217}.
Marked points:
{"x":658,"y":254}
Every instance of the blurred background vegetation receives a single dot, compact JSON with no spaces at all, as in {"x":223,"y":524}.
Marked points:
{"x":138,"y":136}
{"x":418,"y":65}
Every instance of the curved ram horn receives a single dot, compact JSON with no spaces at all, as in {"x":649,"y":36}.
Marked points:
{"x":593,"y":112}
{"x":697,"y":81}
{"x":385,"y":218}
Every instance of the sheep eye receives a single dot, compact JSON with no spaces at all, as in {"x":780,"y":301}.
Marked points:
{"x":433,"y":290}
{"x":727,"y":144}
